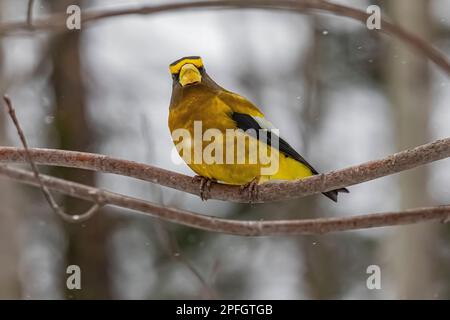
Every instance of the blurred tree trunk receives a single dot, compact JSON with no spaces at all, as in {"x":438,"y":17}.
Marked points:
{"x":9,"y":215}
{"x":411,"y":250}
{"x":86,"y":241}
{"x":320,"y":268}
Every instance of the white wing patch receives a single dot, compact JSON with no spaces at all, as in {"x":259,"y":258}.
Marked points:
{"x":267,"y":125}
{"x":264,"y":123}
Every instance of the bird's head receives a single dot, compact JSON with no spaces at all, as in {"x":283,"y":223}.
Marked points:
{"x":187,"y":71}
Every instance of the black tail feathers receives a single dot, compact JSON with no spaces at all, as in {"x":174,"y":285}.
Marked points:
{"x":333,"y":194}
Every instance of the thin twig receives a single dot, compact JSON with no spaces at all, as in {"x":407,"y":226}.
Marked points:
{"x":57,"y":21}
{"x":30,"y":14}
{"x":267,"y":192}
{"x":48,"y":196}
{"x":173,"y":249}
{"x":230,"y":226}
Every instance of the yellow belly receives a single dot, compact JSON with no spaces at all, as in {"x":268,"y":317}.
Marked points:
{"x":232,"y":167}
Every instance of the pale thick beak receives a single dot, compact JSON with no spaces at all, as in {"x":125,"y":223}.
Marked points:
{"x":189,"y":74}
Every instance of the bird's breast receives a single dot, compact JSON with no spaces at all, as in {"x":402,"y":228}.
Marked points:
{"x":207,"y":112}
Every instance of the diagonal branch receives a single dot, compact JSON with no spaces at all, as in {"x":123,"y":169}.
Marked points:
{"x":48,"y":196}
{"x":57,"y":22}
{"x":267,"y":192}
{"x":229,"y":226}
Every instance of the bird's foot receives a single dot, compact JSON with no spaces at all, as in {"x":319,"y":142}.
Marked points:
{"x":205,"y":186}
{"x":252,"y":190}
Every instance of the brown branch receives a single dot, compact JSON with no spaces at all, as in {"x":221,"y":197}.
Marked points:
{"x":235,"y":227}
{"x":324,"y":182}
{"x":56,"y":22}
{"x":48,"y":196}
{"x":267,"y":192}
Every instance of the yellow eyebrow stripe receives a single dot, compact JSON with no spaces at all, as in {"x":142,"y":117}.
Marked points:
{"x":176,"y":66}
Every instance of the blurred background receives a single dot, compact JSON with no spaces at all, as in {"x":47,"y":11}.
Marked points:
{"x":339,"y":93}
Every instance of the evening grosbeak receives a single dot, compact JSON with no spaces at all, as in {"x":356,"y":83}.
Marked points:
{"x":200,"y":106}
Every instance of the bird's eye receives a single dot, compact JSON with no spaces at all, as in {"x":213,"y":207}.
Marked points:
{"x":175,"y":76}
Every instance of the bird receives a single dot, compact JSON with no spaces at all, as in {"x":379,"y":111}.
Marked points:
{"x":199,"y":105}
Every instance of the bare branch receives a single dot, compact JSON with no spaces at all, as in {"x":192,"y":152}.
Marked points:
{"x":401,"y":161}
{"x":267,"y":192}
{"x":236,"y":227}
{"x":56,"y":22}
{"x":48,"y":196}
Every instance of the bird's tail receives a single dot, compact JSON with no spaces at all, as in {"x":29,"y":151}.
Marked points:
{"x":333,"y":194}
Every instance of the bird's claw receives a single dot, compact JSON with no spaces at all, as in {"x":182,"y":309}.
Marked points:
{"x":204,"y":187}
{"x":252,"y":190}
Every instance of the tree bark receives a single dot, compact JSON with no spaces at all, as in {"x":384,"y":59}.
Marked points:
{"x":73,"y":131}
{"x":412,"y":253}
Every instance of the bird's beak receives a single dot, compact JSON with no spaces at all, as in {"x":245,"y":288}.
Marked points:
{"x":189,"y":74}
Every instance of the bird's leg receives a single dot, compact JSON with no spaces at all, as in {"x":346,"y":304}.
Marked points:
{"x":205,"y":186}
{"x":252,"y":190}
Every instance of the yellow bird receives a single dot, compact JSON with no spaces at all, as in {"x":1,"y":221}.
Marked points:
{"x":224,"y":137}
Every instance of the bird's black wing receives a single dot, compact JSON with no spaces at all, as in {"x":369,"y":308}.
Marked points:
{"x":245,"y":122}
